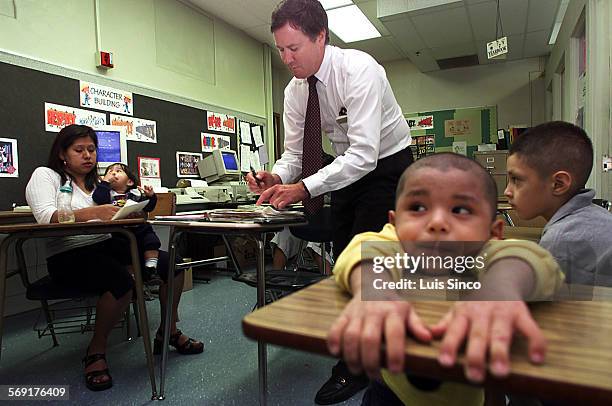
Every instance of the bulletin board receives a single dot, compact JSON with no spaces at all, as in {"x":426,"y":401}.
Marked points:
{"x":436,"y":131}
{"x":22,"y":117}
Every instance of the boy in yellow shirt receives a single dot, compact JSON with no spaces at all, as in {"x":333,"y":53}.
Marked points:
{"x":444,"y":197}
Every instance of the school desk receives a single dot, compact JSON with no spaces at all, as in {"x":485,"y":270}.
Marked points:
{"x":577,"y":369}
{"x":17,"y":233}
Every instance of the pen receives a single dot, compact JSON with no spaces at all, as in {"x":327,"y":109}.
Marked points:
{"x":254,"y":175}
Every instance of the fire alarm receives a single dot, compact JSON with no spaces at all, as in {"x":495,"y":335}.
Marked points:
{"x":105,"y":59}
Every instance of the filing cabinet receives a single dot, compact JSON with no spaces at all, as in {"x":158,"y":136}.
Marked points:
{"x":495,"y":163}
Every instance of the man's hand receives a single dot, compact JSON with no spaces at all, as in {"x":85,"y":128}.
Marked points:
{"x":488,"y":328}
{"x":358,"y":334}
{"x":280,"y":196}
{"x":264,"y":181}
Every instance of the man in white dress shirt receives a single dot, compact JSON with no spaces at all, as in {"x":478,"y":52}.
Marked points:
{"x":372,"y":144}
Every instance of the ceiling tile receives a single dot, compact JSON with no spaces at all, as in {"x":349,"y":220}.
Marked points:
{"x":444,"y":27}
{"x":381,"y":49}
{"x":231,"y":12}
{"x":406,"y":35}
{"x":483,"y":17}
{"x":424,"y":61}
{"x":542,"y":14}
{"x":262,"y":34}
{"x":368,"y":8}
{"x":536,"y":44}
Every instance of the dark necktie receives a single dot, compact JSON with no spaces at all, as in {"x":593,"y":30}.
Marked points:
{"x":312,"y":152}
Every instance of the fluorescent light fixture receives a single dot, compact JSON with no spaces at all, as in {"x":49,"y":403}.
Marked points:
{"x":350,"y":24}
{"x":329,"y":4}
{"x":558,"y":21}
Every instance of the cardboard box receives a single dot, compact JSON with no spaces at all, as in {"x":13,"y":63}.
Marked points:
{"x":245,"y":250}
{"x":188,"y":283}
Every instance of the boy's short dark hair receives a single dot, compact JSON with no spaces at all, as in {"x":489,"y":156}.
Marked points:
{"x":445,"y":161}
{"x":127,"y":171}
{"x":556,"y":146}
{"x":308,"y":16}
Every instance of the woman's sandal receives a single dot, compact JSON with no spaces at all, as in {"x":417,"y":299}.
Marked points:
{"x":92,"y":375}
{"x":190,"y":346}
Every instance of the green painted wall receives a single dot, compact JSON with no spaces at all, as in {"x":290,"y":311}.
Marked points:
{"x":162,"y":45}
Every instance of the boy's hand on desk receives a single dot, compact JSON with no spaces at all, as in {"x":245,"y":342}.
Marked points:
{"x":357,"y":334}
{"x":488,"y":328}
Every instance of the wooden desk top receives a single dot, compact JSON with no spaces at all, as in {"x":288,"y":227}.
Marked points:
{"x":578,"y":364}
{"x":212,"y":226}
{"x":12,"y":217}
{"x":90,"y":225}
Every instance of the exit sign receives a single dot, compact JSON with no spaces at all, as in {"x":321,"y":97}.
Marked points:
{"x":498,"y":48}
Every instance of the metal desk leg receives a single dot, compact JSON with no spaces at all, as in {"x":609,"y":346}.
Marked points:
{"x":4,"y":245}
{"x":143,"y":321}
{"x":262,"y":356}
{"x":168,"y":315}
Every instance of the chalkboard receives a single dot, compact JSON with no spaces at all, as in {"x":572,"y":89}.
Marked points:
{"x":23,"y":94}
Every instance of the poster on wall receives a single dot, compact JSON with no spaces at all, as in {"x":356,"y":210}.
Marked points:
{"x":105,"y":98}
{"x":136,"y":129}
{"x":58,"y":117}
{"x":211,"y":142}
{"x":257,"y":138}
{"x":9,"y":165}
{"x":149,"y":171}
{"x":245,"y":133}
{"x":220,"y":122}
{"x":420,"y":123}
{"x":454,"y":128}
{"x":460,"y":147}
{"x":187,"y":164}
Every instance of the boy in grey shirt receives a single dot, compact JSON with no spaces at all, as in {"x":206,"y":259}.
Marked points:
{"x":548,"y":167}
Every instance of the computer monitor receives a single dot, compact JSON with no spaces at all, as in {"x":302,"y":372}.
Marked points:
{"x":220,"y":165}
{"x":112,"y":146}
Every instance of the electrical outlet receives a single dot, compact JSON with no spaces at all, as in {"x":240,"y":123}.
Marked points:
{"x":607,"y":163}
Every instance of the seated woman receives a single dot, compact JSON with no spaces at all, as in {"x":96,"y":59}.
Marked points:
{"x":96,"y":263}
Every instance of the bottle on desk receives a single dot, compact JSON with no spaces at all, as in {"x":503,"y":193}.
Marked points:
{"x":64,"y":204}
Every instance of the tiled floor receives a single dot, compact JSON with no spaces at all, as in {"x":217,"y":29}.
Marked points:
{"x":225,"y":374}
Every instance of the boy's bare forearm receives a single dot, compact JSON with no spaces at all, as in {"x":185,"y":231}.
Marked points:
{"x":506,"y":279}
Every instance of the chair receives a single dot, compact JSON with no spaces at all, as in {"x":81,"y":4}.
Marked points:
{"x":280,"y":283}
{"x":45,"y":289}
{"x":606,"y":204}
{"x":166,"y":205}
{"x":319,"y":230}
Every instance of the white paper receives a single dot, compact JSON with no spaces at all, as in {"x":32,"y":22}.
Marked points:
{"x":245,"y":158}
{"x":129,"y":208}
{"x":460,"y":147}
{"x":257,"y":136}
{"x":155,"y":183}
{"x":245,"y":133}
{"x":263,"y":155}
{"x":255,"y":160}
{"x":487,"y":147}
{"x":500,"y":134}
